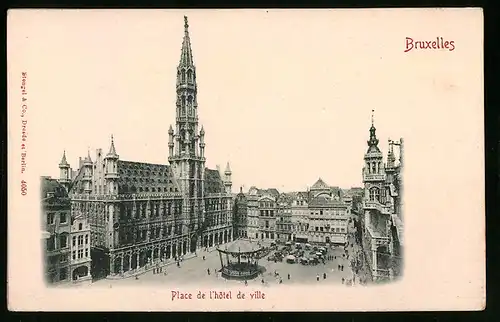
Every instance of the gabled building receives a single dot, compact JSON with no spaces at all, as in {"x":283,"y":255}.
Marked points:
{"x":141,"y":213}
{"x":320,"y":215}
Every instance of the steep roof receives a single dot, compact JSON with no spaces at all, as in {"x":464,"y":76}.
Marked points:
{"x":145,"y":177}
{"x":324,"y":200}
{"x":49,"y":186}
{"x":320,"y":185}
{"x":213,"y":181}
{"x":241,"y":246}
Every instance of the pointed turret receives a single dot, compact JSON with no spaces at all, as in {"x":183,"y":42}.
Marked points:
{"x":64,"y":171}
{"x":186,"y":52}
{"x":88,"y":159}
{"x":170,"y":129}
{"x":112,"y":151}
{"x":111,"y":169}
{"x":64,"y":163}
{"x":227,"y":181}
{"x":202,"y":131}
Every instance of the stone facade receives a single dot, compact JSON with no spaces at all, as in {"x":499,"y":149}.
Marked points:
{"x":56,"y":220}
{"x":382,"y":205}
{"x":319,"y":215}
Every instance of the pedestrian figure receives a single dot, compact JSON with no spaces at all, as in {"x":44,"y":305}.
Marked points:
{"x":246,"y":283}
{"x":342,"y":280}
{"x":324,"y":276}
{"x":203,"y":257}
{"x":208,"y":271}
{"x":288,"y":275}
{"x":262,"y":281}
{"x":281,"y":281}
{"x":136,"y":277}
{"x":317,"y":277}
{"x":178,"y":264}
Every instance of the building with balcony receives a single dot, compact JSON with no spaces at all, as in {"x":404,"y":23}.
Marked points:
{"x":261,"y":210}
{"x":141,"y":214}
{"x":382,"y":235}
{"x":56,"y":216}
{"x":320,"y":214}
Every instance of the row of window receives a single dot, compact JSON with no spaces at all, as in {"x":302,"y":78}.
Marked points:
{"x":79,"y":254}
{"x":80,"y":240}
{"x":267,"y":204}
{"x":376,"y":194}
{"x":330,"y":229}
{"x":373,"y":167}
{"x":333,"y":212}
{"x":51,"y":218}
{"x":267,"y":213}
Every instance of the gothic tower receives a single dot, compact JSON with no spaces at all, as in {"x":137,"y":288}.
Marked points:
{"x":373,"y":171}
{"x":65,"y":172}
{"x":111,"y":178}
{"x":87,"y":174}
{"x":186,"y":143}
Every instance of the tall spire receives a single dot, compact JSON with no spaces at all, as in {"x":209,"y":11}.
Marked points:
{"x":186,"y":53}
{"x":373,"y":142}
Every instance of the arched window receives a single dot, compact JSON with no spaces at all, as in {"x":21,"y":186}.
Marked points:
{"x":374,"y":194}
{"x":374,"y":169}
{"x":190,"y":75}
{"x":80,"y":226}
{"x":183,"y":77}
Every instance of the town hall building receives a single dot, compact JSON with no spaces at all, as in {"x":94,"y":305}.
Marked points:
{"x":141,"y":213}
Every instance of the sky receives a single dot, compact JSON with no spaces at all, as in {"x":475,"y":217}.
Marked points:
{"x":284,"y":100}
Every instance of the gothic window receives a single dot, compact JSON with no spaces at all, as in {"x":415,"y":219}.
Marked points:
{"x":183,"y":75}
{"x":374,"y":194}
{"x":190,"y":75}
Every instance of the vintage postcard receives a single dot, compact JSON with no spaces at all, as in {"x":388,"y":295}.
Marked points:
{"x":246,"y":160}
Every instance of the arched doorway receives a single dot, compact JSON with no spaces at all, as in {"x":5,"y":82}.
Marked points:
{"x":168,"y":251}
{"x":192,"y":247}
{"x":117,"y":265}
{"x":126,"y":263}
{"x":133,"y":261}
{"x":80,"y":272}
